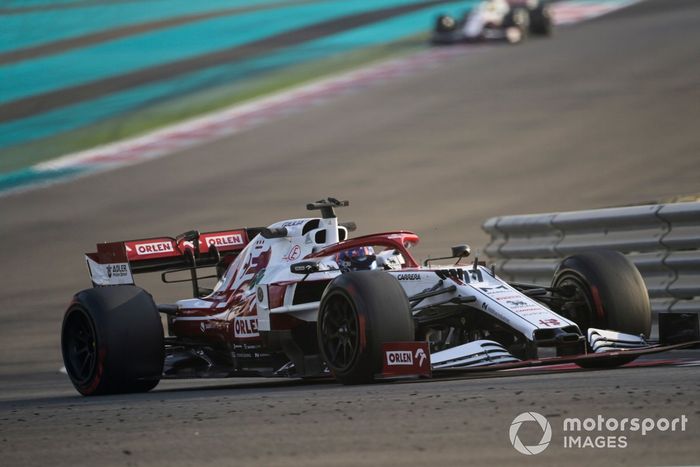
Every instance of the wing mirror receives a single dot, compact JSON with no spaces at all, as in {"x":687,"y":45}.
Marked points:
{"x":461,"y":251}
{"x":458,"y":251}
{"x":305,"y":267}
{"x":351,"y":226}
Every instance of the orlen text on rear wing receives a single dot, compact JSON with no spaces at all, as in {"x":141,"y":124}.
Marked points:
{"x":115,"y":263}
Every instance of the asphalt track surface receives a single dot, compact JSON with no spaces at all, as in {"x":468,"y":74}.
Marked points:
{"x":603,"y":114}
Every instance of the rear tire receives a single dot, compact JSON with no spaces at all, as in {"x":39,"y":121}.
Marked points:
{"x":608,"y":293}
{"x":445,"y":23}
{"x":112,"y":341}
{"x":541,"y":20}
{"x":359,"y":312}
{"x":517,"y":20}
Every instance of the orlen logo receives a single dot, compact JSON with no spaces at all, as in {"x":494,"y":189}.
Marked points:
{"x":225,"y":240}
{"x":154,"y":248}
{"x":399,"y":357}
{"x":245,"y":326}
{"x":406,"y":358}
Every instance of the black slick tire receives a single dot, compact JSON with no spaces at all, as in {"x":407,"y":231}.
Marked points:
{"x":112,"y":341}
{"x":359,"y":312}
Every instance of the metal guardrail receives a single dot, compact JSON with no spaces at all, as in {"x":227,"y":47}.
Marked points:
{"x":662,"y":240}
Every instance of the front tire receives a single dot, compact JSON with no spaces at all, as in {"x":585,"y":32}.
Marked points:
{"x":606,"y":292}
{"x":112,"y":341}
{"x":359,"y":312}
{"x":517,"y":25}
{"x":611,"y":290}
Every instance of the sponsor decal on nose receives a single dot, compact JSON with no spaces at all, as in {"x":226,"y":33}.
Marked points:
{"x":399,"y":357}
{"x":406,"y":359}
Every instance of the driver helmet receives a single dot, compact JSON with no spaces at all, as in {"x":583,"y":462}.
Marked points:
{"x":357,"y":259}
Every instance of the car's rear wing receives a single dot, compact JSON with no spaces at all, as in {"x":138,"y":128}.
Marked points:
{"x":115,"y":263}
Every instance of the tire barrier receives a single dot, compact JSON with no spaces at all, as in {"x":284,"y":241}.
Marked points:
{"x":662,"y":240}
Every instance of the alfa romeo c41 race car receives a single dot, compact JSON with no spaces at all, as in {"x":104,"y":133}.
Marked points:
{"x":301,"y":299}
{"x":500,"y":20}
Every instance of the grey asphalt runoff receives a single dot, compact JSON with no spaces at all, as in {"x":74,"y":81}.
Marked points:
{"x":604,"y":113}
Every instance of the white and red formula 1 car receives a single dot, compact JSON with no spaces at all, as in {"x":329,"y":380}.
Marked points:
{"x":495,"y":20}
{"x":301,"y":299}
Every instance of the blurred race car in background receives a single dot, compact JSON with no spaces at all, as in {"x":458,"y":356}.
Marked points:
{"x":301,"y":299}
{"x":495,"y":20}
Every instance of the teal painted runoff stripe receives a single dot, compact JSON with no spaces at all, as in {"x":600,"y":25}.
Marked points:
{"x":25,"y":177}
{"x":89,"y":112}
{"x":77,"y":67}
{"x":33,"y":3}
{"x":79,"y":115}
{"x":40,"y":27}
